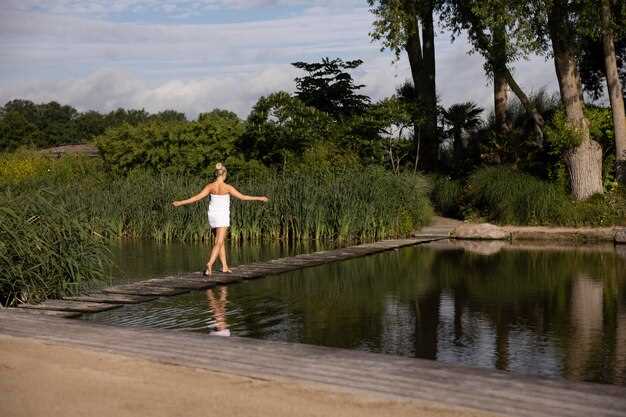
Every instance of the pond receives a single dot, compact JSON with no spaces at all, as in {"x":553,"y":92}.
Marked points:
{"x":541,"y":310}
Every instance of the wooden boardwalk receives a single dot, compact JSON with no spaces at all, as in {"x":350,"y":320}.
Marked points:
{"x":380,"y":375}
{"x":142,"y":291}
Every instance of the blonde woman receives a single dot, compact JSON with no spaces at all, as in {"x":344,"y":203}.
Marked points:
{"x":219,"y":212}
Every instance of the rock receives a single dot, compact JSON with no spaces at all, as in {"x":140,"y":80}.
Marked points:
{"x":485,"y":231}
{"x":620,"y":236}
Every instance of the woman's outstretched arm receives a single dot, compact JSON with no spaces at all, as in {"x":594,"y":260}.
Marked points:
{"x":233,"y":191}
{"x":202,"y":194}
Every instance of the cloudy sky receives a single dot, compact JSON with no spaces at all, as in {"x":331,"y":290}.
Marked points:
{"x":195,"y":55}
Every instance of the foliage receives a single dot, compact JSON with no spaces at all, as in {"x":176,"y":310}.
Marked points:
{"x":280,"y":127}
{"x":176,"y":147}
{"x":329,"y":87}
{"x":327,"y":196}
{"x":46,"y":249}
{"x":561,"y":134}
{"x":31,"y":169}
{"x":24,"y":123}
{"x":507,"y":196}
{"x":448,"y":196}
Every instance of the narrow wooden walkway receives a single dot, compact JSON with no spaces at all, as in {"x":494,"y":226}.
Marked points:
{"x":337,"y":369}
{"x":142,"y":291}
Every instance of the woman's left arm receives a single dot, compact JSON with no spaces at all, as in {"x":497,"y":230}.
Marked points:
{"x":233,"y":191}
{"x":202,"y":194}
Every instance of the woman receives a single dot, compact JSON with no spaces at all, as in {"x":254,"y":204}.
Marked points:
{"x":219,"y":212}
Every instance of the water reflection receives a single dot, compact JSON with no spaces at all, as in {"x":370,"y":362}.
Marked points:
{"x":217,"y":306}
{"x":533,"y":309}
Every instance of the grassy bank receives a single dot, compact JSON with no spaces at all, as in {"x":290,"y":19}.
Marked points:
{"x":58,"y":214}
{"x":506,"y":196}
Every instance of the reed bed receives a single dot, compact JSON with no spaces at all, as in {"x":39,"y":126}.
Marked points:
{"x":333,"y":205}
{"x":57,"y":215}
{"x":44,"y":250}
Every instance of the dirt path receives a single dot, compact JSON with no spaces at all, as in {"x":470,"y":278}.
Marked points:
{"x":43,"y":379}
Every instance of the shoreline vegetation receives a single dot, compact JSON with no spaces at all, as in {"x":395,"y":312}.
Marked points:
{"x":336,"y":165}
{"x":59,"y":214}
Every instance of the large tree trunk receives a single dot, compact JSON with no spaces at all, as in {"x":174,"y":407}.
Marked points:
{"x":421,"y":54}
{"x":616,"y":95}
{"x":501,"y":99}
{"x":500,"y":94}
{"x":584,"y":162}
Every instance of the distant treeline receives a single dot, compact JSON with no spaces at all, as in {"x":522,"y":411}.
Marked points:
{"x":24,"y":123}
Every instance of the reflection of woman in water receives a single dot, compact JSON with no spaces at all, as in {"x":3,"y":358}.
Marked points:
{"x":219,"y":212}
{"x":218,"y":307}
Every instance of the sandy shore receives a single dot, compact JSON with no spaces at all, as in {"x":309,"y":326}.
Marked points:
{"x":43,"y":379}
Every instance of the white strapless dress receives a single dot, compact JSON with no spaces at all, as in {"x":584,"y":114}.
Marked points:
{"x":219,"y":210}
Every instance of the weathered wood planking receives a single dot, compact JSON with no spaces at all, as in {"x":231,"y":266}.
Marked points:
{"x":41,"y":312}
{"x":73,"y":306}
{"x":338,"y":369}
{"x":101,"y":297}
{"x":140,"y":288}
{"x":185,"y":283}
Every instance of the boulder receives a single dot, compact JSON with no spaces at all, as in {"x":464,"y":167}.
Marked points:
{"x":484,"y":231}
{"x":620,"y":236}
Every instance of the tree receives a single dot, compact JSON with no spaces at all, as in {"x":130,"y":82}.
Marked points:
{"x":169,"y":116}
{"x":170,"y":146}
{"x":462,"y":118}
{"x":616,"y":95}
{"x":329,"y":87}
{"x":407,"y":26}
{"x":280,"y":126}
{"x":391,"y":120}
{"x":584,"y":160}
{"x":550,"y":26}
{"x":486,"y":30}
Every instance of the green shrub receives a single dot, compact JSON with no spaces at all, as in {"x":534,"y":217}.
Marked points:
{"x":507,"y":196}
{"x":447,"y":196}
{"x":173,"y":146}
{"x":46,"y":250}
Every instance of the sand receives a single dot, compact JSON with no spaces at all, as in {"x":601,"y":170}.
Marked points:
{"x":45,"y":379}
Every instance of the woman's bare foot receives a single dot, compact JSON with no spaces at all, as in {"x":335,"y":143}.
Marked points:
{"x":208,"y":271}
{"x":227,"y":270}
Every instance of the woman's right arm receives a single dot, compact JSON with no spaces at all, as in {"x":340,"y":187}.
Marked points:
{"x":202,"y":194}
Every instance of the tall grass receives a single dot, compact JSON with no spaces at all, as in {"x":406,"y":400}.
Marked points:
{"x":45,"y":251}
{"x":507,"y":196}
{"x":305,"y":203}
{"x":448,"y":196}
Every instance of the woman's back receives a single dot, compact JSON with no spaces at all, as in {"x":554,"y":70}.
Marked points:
{"x":219,"y":188}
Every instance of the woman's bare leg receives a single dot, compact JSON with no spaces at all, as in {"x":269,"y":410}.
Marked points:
{"x":222,"y":256}
{"x":220,"y":232}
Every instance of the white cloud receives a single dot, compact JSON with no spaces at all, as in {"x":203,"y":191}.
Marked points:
{"x":98,"y":64}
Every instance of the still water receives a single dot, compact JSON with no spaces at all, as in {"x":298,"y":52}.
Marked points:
{"x":541,"y":310}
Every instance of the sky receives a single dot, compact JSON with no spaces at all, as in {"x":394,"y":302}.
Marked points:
{"x":197,"y":55}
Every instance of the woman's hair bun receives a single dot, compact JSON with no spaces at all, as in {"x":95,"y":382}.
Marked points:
{"x":219,"y":166}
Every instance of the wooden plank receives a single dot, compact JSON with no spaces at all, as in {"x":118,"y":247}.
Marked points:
{"x":72,"y":306}
{"x":139,"y":288}
{"x":101,"y":297}
{"x":182,"y":283}
{"x":52,"y":313}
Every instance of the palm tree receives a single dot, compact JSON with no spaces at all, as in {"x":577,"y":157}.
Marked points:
{"x":461,"y":118}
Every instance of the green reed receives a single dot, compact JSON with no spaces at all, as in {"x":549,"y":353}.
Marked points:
{"x":45,"y":251}
{"x":55,"y":221}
